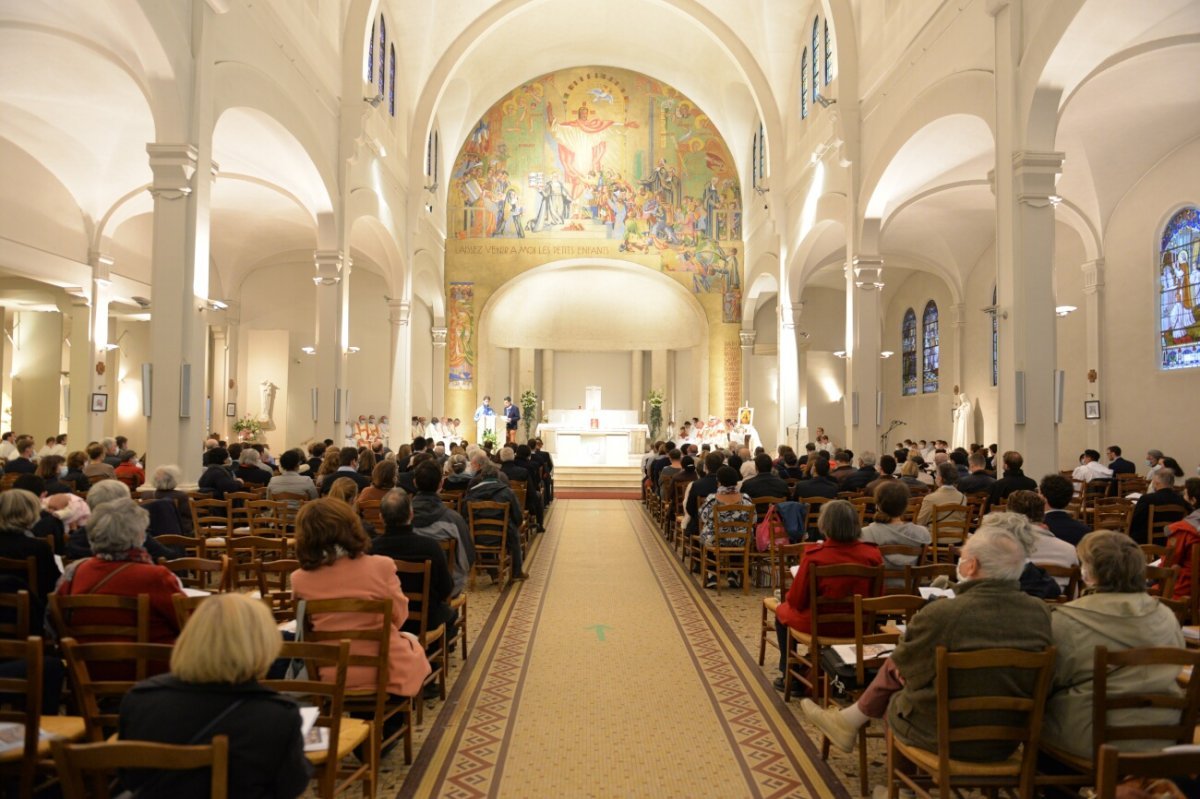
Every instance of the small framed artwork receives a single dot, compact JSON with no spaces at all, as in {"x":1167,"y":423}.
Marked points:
{"x":231,"y":409}
{"x":745,"y":415}
{"x":99,"y":403}
{"x":1091,"y":409}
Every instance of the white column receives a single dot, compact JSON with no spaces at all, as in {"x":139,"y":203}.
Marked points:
{"x":792,"y":411}
{"x":438,"y":380}
{"x":746,"y":338}
{"x":400,"y":405}
{"x":957,"y":318}
{"x":547,"y":381}
{"x":219,"y":390}
{"x":1093,"y":289}
{"x":89,"y":340}
{"x":636,"y":389}
{"x":864,"y":284}
{"x":231,"y":355}
{"x":329,"y":269}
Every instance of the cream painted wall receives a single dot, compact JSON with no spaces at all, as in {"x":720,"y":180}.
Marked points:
{"x":37,"y":358}
{"x":764,"y":376}
{"x":266,"y":356}
{"x":925,"y":415}
{"x":126,"y":406}
{"x":367,"y":371}
{"x":1071,"y":345}
{"x":824,"y":319}
{"x":1142,"y":406}
{"x":573,"y":371}
{"x":422,"y":360}
{"x":977,"y":344}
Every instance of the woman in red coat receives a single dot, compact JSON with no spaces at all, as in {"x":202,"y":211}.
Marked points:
{"x":839,"y":524}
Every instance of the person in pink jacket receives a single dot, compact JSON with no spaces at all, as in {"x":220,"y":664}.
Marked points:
{"x":332,"y":549}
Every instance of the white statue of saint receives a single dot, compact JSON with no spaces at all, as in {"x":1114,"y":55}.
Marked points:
{"x":963,"y":418}
{"x":266,"y":408}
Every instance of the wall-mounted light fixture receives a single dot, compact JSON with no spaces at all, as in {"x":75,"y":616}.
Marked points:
{"x":309,"y":350}
{"x":1063,"y":310}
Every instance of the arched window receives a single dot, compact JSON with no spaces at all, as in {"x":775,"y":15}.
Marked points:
{"x":758,"y":157}
{"x":816,"y":52}
{"x":392,"y":80}
{"x":828,"y":54}
{"x":908,"y":354}
{"x":929,"y":326}
{"x":995,"y":341}
{"x":804,"y":84}
{"x":1179,"y":291}
{"x":371,"y":56}
{"x":382,"y":51}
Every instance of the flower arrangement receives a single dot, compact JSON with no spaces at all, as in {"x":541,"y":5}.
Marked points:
{"x":655,"y":400}
{"x":529,"y":403}
{"x":248,"y":428}
{"x":489,"y":437}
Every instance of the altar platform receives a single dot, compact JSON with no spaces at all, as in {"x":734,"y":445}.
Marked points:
{"x":594,"y":438}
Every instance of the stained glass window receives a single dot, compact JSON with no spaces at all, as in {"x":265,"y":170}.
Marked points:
{"x":371,"y":56}
{"x":804,"y":84}
{"x":762,"y":152}
{"x":382,"y":51}
{"x":929,"y":325}
{"x":995,"y":341}
{"x":816,"y":51}
{"x":392,"y":80}
{"x":1179,"y":291}
{"x":908,"y":353}
{"x":828,"y":55}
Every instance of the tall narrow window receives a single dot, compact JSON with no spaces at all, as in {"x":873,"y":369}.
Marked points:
{"x":804,"y":84}
{"x":392,"y":80}
{"x":995,"y":341}
{"x":828,"y":54}
{"x":762,"y":153}
{"x":436,"y":145}
{"x":908,"y":354}
{"x":382,"y":52}
{"x":371,"y":56}
{"x":1179,"y":291}
{"x":929,"y":325}
{"x":816,"y":52}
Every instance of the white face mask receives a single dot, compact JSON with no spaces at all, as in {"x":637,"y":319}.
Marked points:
{"x":962,"y":578}
{"x":62,"y":471}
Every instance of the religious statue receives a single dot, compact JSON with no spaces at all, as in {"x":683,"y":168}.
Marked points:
{"x":963,"y":420}
{"x":267,"y":391}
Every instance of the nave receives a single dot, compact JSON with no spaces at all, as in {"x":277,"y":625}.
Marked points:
{"x":611,"y":673}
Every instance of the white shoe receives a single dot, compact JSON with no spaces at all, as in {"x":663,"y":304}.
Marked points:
{"x":829,"y":721}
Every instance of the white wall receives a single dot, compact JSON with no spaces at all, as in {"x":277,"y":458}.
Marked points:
{"x":125,"y":400}
{"x":422,"y":361}
{"x":764,"y":376}
{"x":37,"y":358}
{"x":573,"y":371}
{"x":824,"y":320}
{"x":925,"y":415}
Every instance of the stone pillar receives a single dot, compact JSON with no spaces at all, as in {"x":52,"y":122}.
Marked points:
{"x":329,"y":275}
{"x":438,"y":380}
{"x":864,"y":285}
{"x":219,"y":390}
{"x":231,"y":389}
{"x":791,"y":410}
{"x":957,"y":317}
{"x":746,"y":338}
{"x":181,"y":185}
{"x":1093,"y":286}
{"x":547,"y":381}
{"x":400,"y":405}
{"x":636,"y":389}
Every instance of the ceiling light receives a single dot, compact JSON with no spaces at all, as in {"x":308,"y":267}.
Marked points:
{"x":110,"y":347}
{"x":1055,"y":199}
{"x":886,"y":354}
{"x":309,"y":350}
{"x":1063,"y":310}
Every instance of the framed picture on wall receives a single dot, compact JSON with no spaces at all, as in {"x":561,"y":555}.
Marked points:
{"x":1091,"y":409}
{"x":99,"y":403}
{"x":745,"y":415}
{"x":231,"y":409}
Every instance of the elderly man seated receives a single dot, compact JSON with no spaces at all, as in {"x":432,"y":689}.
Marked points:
{"x":989,"y":610}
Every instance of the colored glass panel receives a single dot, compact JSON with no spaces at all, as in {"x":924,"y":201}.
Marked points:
{"x":804,"y":85}
{"x":929,"y":324}
{"x":1179,"y":292}
{"x":908,"y":350}
{"x":392,"y":80}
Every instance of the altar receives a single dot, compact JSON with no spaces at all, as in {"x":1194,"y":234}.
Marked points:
{"x":581,"y":437}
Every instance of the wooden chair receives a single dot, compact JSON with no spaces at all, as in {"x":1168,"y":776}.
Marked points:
{"x":95,"y":684}
{"x":918,"y":577}
{"x":1131,"y":484}
{"x":185,"y":606}
{"x":375,"y":702}
{"x":344,"y":733}
{"x":490,"y":556}
{"x":25,"y":568}
{"x":24,"y":762}
{"x":190,"y":547}
{"x":1153,"y":552}
{"x":827,"y":611}
{"x":812,"y":511}
{"x":1107,"y":730}
{"x":212,"y":519}
{"x":459,"y":629}
{"x":519,"y":490}
{"x":1020,"y":725}
{"x":431,"y":638}
{"x":913,"y":508}
{"x":1070,"y":574}
{"x":1159,"y":517}
{"x":368,"y":509}
{"x":715,"y":558}
{"x":93,"y":479}
{"x":760,"y":563}
{"x":267,"y":518}
{"x":121,"y":618}
{"x":75,"y":762}
{"x":1162,"y":579}
{"x":202,"y":574}
{"x":947,"y":526}
{"x":452,"y":500}
{"x":865,"y":507}
{"x":977,"y":505}
{"x":1113,"y":766}
{"x":895,"y":579}
{"x":275,"y":586}
{"x":246,"y":548}
{"x":15,"y":606}
{"x":1111,"y":513}
{"x":784,"y":554}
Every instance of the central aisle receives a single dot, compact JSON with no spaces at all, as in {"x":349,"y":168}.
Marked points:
{"x":608,"y":673}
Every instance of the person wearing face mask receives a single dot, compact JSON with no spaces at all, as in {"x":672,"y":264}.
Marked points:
{"x":988,"y":610}
{"x":53,"y":471}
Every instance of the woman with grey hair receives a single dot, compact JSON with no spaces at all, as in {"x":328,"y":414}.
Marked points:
{"x":166,"y":486}
{"x":19,"y":512}
{"x":121,"y":566}
{"x":1034,"y":579}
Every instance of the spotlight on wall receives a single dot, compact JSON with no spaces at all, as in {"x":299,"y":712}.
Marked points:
{"x":429,"y":208}
{"x":309,"y":350}
{"x":215,"y":305}
{"x":1063,"y":310}
{"x":824,"y":101}
{"x":374,"y":101}
{"x":432,"y":188}
{"x":839,"y":353}
{"x":352,"y":350}
{"x":1055,"y":199}
{"x":885,"y":354}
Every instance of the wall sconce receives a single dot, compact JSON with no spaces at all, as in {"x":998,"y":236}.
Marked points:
{"x":214,"y":305}
{"x":839,"y":353}
{"x":352,"y":350}
{"x":374,"y":101}
{"x":1063,"y":310}
{"x":885,"y":354}
{"x":309,"y":350}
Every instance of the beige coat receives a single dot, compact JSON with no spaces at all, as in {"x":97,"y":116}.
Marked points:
{"x":944,"y":495}
{"x":1118,"y":622}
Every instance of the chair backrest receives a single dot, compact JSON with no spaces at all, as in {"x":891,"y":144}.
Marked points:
{"x":97,"y":686}
{"x":25,"y":568}
{"x":1162,"y":579}
{"x":452,"y":500}
{"x":267,"y":517}
{"x":870,"y":613}
{"x":865,"y":507}
{"x":813,"y":504}
{"x":726,"y":526}
{"x":916,"y":577}
{"x":1113,"y":766}
{"x":1153,"y":552}
{"x":1007,"y":718}
{"x":1069,"y":573}
{"x":275,"y":586}
{"x":190,"y":546}
{"x":203,"y":574}
{"x":212,"y":517}
{"x":185,"y":606}
{"x":450,"y":548}
{"x":368,"y":509}
{"x":247,"y":548}
{"x":1103,"y":702}
{"x":15,"y":610}
{"x":105,"y":617}
{"x":837,"y":612}
{"x":93,"y":479}
{"x":896,"y":576}
{"x":374,"y":654}
{"x":488,"y":518}
{"x":1159,"y":517}
{"x":418,"y":601}
{"x":1111,"y":513}
{"x":949,"y":525}
{"x":786,"y":555}
{"x":519,"y":487}
{"x":761,"y":505}
{"x":28,"y":711}
{"x":1131,"y":484}
{"x":977,"y":503}
{"x":76,"y":762}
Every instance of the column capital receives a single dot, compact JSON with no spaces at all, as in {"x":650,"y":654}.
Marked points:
{"x":1034,"y":176}
{"x":1093,"y":276}
{"x":329,"y":264}
{"x":173,"y":166}
{"x":958,"y":315}
{"x":101,"y":264}
{"x":789,"y":314}
{"x":438,"y":336}
{"x":747,"y":338}
{"x":399,"y":312}
{"x":868,"y":272}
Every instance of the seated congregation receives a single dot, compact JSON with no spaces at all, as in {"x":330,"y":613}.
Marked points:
{"x":1007,"y":632}
{"x":280,"y":629}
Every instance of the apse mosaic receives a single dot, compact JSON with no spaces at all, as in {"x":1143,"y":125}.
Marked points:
{"x":1179,"y":291}
{"x":599,"y":161}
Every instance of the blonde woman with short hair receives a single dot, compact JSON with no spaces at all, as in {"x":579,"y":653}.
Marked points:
{"x":228,"y":644}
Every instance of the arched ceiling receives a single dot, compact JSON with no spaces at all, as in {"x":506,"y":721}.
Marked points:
{"x":252,"y":222}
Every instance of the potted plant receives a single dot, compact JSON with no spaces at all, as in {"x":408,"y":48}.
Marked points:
{"x":655,"y":400}
{"x":529,"y":402}
{"x":247,"y":428}
{"x":489,"y":437}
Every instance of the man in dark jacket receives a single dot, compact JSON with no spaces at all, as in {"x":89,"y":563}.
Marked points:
{"x":1013,"y":480}
{"x":1057,"y":491}
{"x":865,"y":474}
{"x":1162,"y":492}
{"x":487,"y":486}
{"x":533,"y":494}
{"x":1117,"y":464}
{"x":977,"y":479}
{"x":400,"y":542}
{"x":820,"y":486}
{"x":766,"y":483}
{"x":431,"y":518}
{"x":348,"y":458}
{"x":843,"y":466}
{"x":543,"y":459}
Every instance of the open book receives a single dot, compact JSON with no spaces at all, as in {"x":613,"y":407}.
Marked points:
{"x":928,"y":592}
{"x":848,"y":653}
{"x":316,"y":739}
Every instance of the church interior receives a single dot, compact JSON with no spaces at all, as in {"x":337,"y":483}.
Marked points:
{"x":351,"y":221}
